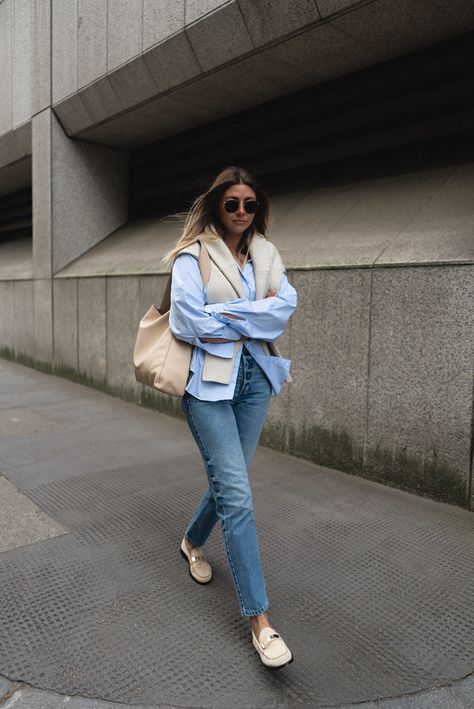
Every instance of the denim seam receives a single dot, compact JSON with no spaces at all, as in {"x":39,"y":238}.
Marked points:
{"x":258,"y":611}
{"x":189,"y":528}
{"x":220,"y":502}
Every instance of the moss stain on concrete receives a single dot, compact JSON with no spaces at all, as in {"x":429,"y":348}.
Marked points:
{"x":143,"y":397}
{"x":431,"y":478}
{"x":333,"y":449}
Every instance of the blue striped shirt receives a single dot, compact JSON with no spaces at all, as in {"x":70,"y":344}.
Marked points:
{"x":191,"y":318}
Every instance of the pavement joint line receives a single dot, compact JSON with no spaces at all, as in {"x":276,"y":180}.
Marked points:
{"x":19,"y":685}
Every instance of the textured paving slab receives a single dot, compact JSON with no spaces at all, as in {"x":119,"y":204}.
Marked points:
{"x":371,"y":587}
{"x":21,"y":521}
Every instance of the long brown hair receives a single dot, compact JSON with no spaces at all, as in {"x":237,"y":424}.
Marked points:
{"x":204,"y":214}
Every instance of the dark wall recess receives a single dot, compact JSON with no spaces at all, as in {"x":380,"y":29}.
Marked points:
{"x":16,"y":215}
{"x":410,"y":113}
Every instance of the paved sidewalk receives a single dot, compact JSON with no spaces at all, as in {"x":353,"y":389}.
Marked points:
{"x":371,"y":587}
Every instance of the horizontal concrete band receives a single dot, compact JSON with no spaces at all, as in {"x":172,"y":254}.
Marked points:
{"x":422,"y":218}
{"x":195,"y":76}
{"x":125,"y":68}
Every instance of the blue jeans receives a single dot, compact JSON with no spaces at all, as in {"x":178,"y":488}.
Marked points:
{"x":227,"y":433}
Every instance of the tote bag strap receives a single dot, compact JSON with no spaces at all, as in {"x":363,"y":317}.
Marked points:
{"x":205,"y":269}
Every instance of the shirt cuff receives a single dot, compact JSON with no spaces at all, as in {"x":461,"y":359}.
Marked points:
{"x":240,"y":324}
{"x":221,"y":349}
{"x":212,"y":308}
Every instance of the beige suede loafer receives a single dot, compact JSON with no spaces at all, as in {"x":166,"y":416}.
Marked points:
{"x":272,"y":648}
{"x":199,"y":568}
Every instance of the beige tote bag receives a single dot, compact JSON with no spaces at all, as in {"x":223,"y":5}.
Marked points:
{"x":161,"y":360}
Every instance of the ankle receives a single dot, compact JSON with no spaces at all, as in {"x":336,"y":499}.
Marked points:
{"x":258,"y":622}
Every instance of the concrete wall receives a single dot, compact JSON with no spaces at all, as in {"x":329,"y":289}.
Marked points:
{"x":382,"y":341}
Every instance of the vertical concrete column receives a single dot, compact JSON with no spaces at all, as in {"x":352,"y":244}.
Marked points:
{"x":42,"y":237}
{"x":79,"y":197}
{"x":41,"y":56}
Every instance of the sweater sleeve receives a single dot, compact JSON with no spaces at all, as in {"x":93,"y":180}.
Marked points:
{"x":188,"y":319}
{"x":263,"y":319}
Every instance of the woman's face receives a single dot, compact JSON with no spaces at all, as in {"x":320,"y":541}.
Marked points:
{"x":235,"y":223}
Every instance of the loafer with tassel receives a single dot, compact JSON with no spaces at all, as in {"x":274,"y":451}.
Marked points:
{"x":199,"y":568}
{"x":272,"y":648}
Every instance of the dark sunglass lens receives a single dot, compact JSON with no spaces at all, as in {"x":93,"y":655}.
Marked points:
{"x":251,"y":206}
{"x":231,"y":205}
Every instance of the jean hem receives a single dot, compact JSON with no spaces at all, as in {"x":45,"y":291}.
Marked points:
{"x":246,"y":613}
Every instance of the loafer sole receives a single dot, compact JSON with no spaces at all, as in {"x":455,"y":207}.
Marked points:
{"x":201,"y":583}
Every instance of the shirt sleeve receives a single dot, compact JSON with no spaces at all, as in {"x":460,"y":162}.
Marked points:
{"x":263,"y":319}
{"x":188,"y":319}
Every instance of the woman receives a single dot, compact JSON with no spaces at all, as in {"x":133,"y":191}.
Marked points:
{"x":231,"y":321}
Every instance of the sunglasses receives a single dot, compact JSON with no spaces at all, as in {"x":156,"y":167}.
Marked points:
{"x":232,"y":205}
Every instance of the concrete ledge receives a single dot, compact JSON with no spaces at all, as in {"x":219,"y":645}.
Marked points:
{"x":420,"y":218}
{"x":192,"y":78}
{"x":16,"y":260}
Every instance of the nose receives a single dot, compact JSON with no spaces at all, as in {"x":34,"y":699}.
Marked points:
{"x":241,"y":210}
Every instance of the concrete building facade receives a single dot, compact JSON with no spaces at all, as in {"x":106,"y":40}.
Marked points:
{"x":357,"y":116}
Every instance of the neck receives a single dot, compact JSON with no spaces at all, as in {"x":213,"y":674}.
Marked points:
{"x":232,"y":241}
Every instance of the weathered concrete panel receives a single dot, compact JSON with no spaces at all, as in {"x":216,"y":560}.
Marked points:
{"x":16,"y":259}
{"x":133,"y":83}
{"x":441,"y":230}
{"x":198,"y":8}
{"x":22,"y":49}
{"x":92,"y":328}
{"x":89,"y":184}
{"x":358,"y":223}
{"x":42,"y":200}
{"x":161,"y":19}
{"x":99,"y":100}
{"x":6,"y":105}
{"x":91,"y":40}
{"x":135,"y":248}
{"x":73,"y":114}
{"x":124,"y":31}
{"x":460,"y":11}
{"x":268,"y":19}
{"x":123,"y":317}
{"x":420,"y":379}
{"x":151,"y":291}
{"x":64,"y":53}
{"x":15,"y":145}
{"x":393,"y":29}
{"x":172,"y":62}
{"x":41,"y":56}
{"x":329,"y":351}
{"x":7,"y":315}
{"x":220,"y":37}
{"x":24,"y":325}
{"x":122,"y":131}
{"x":65,"y":323}
{"x":43,"y":293}
{"x":331,"y":7}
